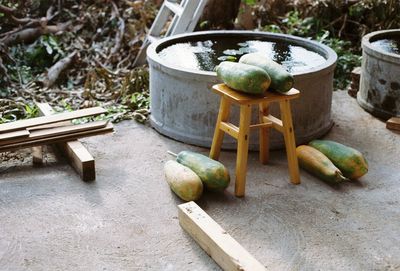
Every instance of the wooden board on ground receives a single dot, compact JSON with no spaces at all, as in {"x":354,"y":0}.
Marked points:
{"x":393,"y":123}
{"x":58,"y":138}
{"x":216,"y":242}
{"x":52,"y":132}
{"x":23,"y":124}
{"x":77,"y":155}
{"x":13,"y":135}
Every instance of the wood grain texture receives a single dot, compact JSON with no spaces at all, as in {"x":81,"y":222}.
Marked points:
{"x":59,"y":138}
{"x":23,"y":124}
{"x":393,"y":124}
{"x":13,"y":135}
{"x":74,"y":151}
{"x":242,"y":98}
{"x":215,"y":241}
{"x":51,"y":132}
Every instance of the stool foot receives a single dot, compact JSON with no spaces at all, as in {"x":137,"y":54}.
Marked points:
{"x":242,"y":151}
{"x":290,"y":143}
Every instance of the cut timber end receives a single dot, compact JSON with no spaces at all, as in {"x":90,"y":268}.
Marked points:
{"x":393,"y":123}
{"x":78,"y":156}
{"x":215,"y":241}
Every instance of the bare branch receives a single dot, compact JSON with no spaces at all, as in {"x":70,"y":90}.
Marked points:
{"x":54,"y":72}
{"x":31,"y":34}
{"x":7,"y":10}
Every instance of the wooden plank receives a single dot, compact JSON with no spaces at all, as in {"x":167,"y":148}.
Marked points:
{"x":59,"y":138}
{"x":215,"y":241}
{"x":37,"y":155}
{"x":38,"y":151}
{"x":48,"y":126}
{"x":13,"y":135}
{"x":51,"y":132}
{"x":23,"y":124}
{"x":77,"y":155}
{"x":393,"y":123}
{"x":79,"y":158}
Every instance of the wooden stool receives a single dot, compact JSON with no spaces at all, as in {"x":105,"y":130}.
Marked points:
{"x":241,"y":133}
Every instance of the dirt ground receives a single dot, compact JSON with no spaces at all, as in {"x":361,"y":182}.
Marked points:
{"x":127,"y":218}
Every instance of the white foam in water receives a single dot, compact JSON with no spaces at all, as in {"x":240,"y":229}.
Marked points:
{"x":205,"y":55}
{"x":388,"y":45}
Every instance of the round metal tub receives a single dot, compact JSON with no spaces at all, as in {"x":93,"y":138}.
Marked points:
{"x":379,"y":91}
{"x":184,"y":108}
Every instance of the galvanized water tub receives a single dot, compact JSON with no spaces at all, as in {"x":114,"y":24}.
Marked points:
{"x":184,"y":108}
{"x":379,"y":91}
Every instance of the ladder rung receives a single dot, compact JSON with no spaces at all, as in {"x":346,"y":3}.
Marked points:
{"x":152,"y":38}
{"x":230,"y":129}
{"x":175,"y":8}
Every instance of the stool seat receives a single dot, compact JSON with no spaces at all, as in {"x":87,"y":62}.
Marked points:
{"x":243,"y":98}
{"x":241,"y":132}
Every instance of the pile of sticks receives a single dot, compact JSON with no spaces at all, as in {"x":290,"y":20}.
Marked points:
{"x":51,"y":129}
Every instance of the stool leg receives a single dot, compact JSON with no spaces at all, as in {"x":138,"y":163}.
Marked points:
{"x":290,"y":143}
{"x":242,"y":150}
{"x":223,"y":116}
{"x":264,"y":134}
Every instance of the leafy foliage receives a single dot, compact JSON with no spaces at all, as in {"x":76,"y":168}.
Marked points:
{"x":310,"y":27}
{"x":106,"y":37}
{"x":44,"y":52}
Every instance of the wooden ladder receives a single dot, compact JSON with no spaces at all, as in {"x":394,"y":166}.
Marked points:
{"x":186,"y":15}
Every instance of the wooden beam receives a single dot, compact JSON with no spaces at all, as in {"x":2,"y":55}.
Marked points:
{"x":77,"y":155}
{"x":393,"y":123}
{"x":52,"y":132}
{"x":80,"y":159}
{"x":48,"y":126}
{"x":58,"y":138}
{"x":216,"y":242}
{"x":23,"y":124}
{"x":38,"y":151}
{"x":13,"y":135}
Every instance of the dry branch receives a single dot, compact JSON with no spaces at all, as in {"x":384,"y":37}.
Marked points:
{"x":7,"y":10}
{"x":31,"y":34}
{"x":54,"y":72}
{"x":3,"y":70}
{"x":121,"y":30}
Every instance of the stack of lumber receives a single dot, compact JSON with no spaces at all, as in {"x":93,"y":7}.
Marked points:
{"x":51,"y":129}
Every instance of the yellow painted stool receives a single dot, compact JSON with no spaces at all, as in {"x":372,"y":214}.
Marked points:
{"x":241,"y":133}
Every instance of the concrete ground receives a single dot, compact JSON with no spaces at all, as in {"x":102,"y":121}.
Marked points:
{"x":127,"y":218}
